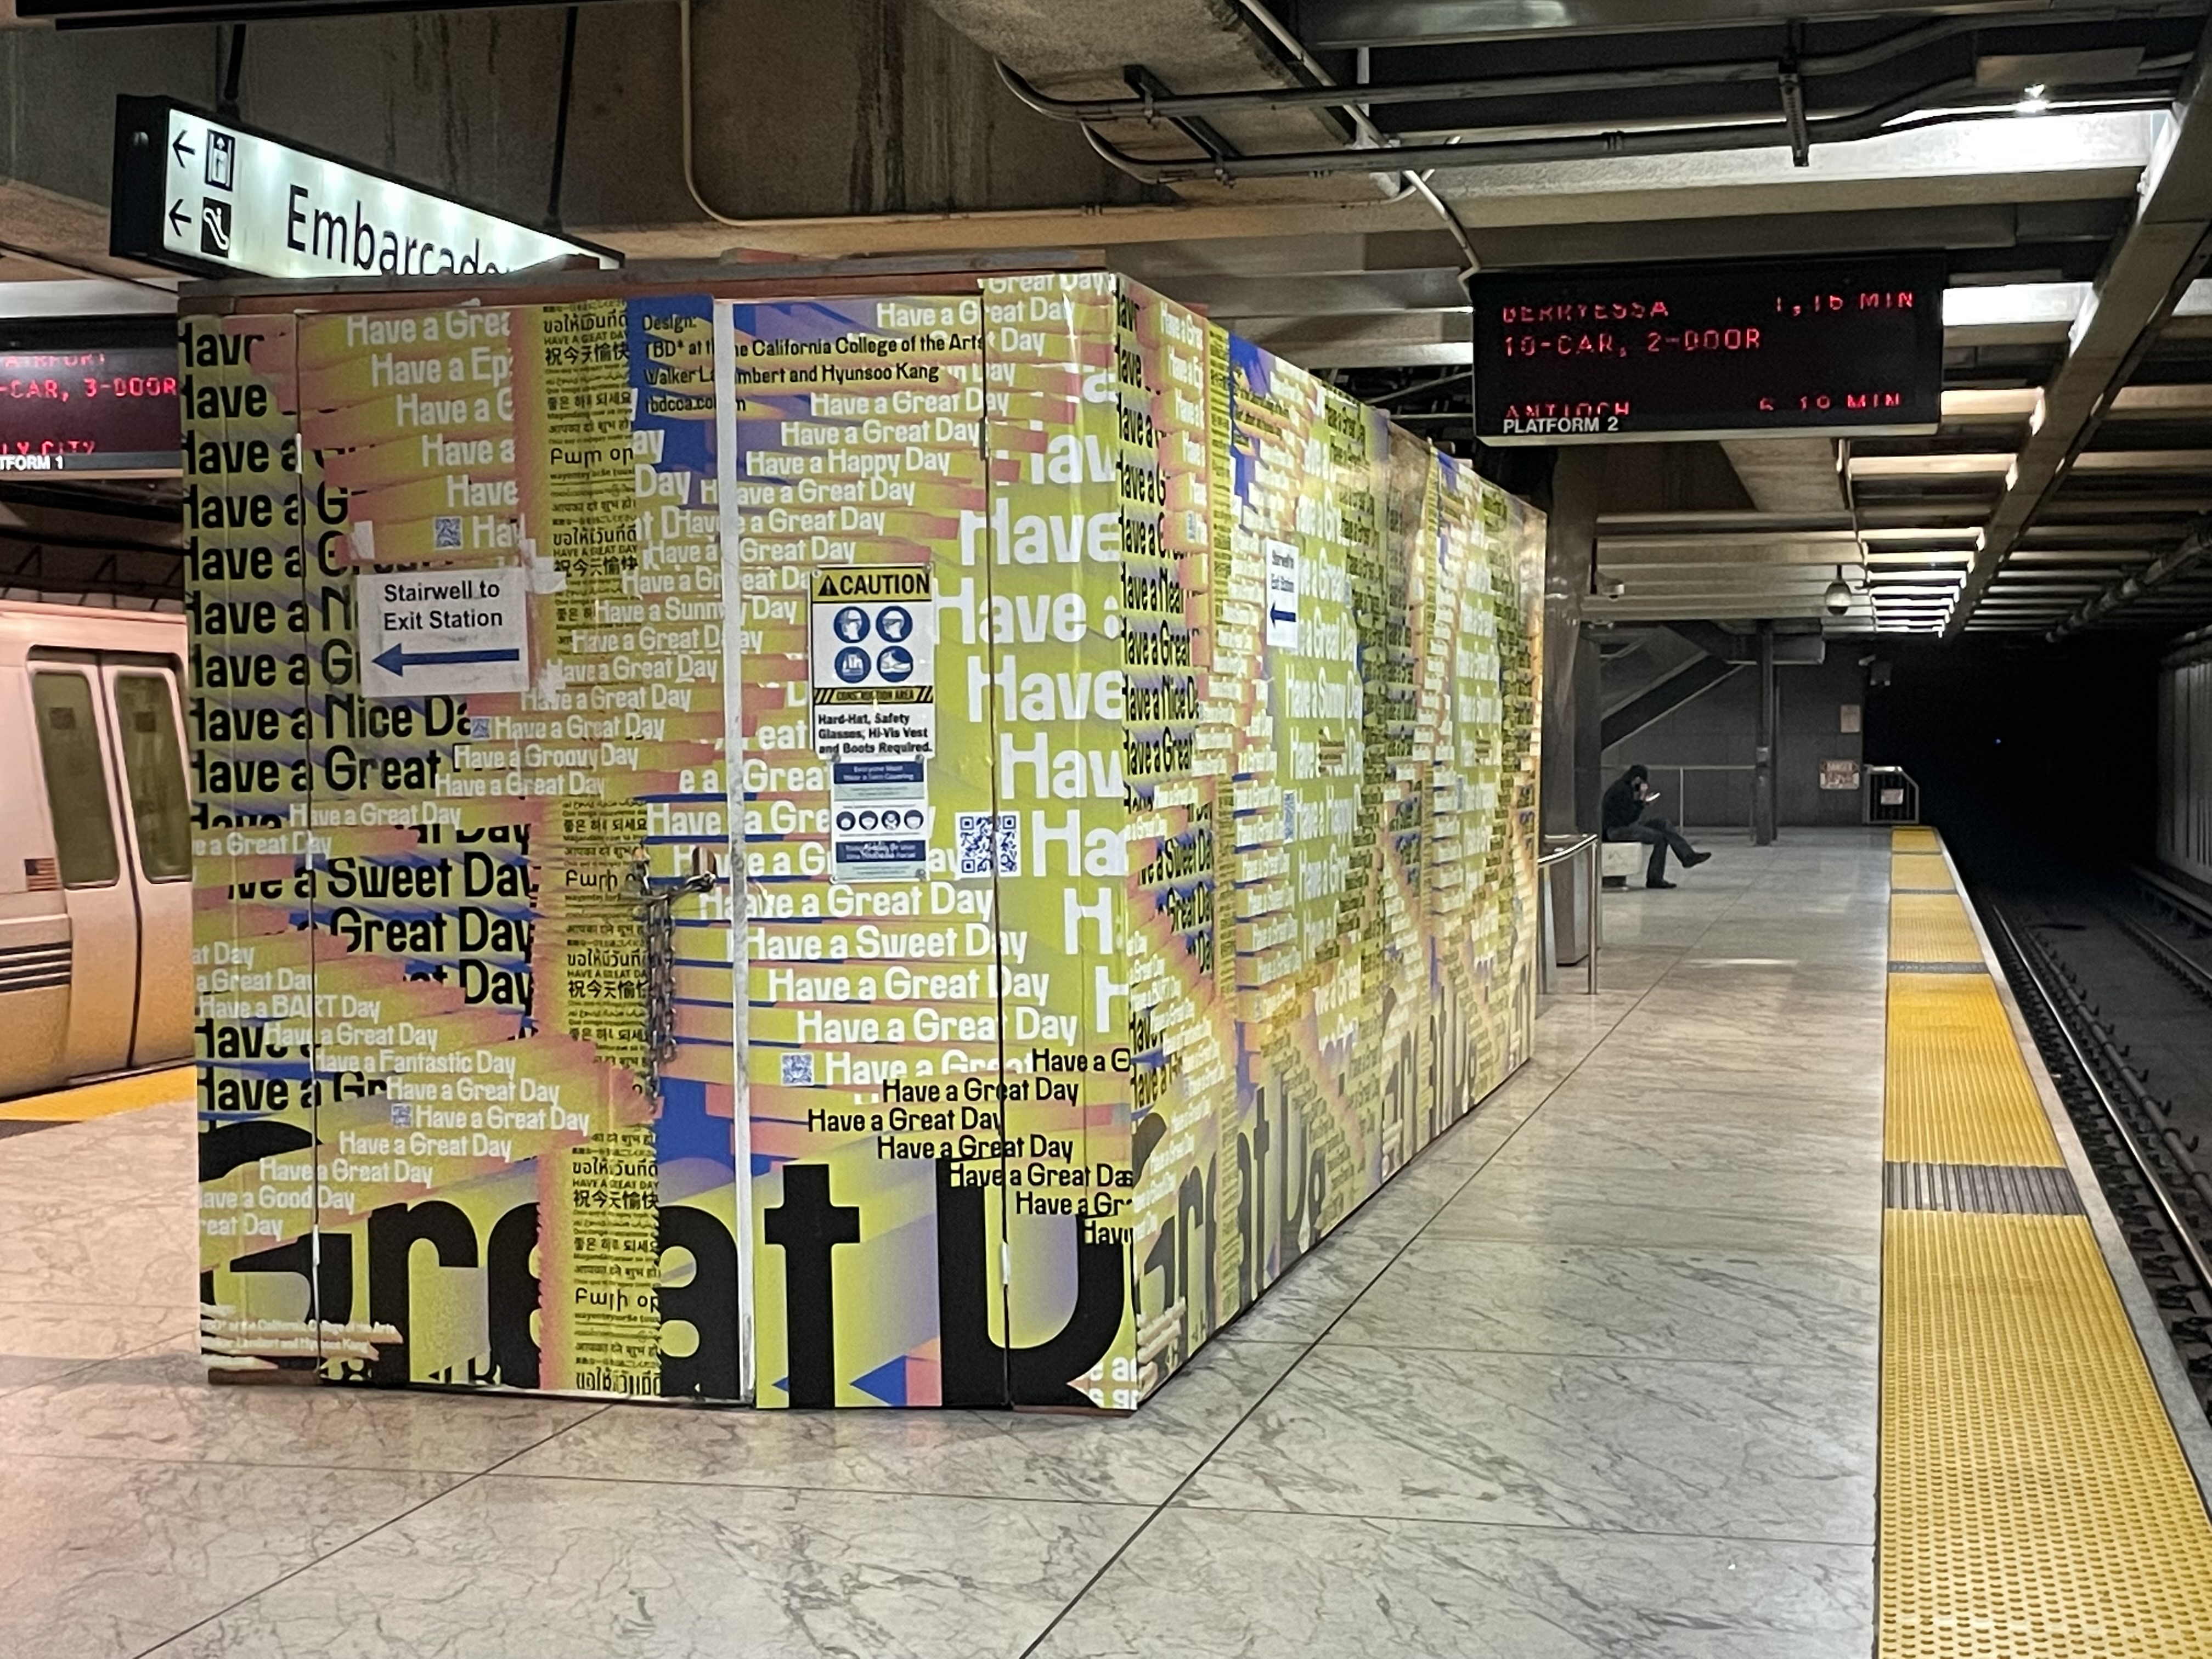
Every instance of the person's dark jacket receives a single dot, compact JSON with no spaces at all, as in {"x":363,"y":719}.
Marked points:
{"x":1621,"y":807}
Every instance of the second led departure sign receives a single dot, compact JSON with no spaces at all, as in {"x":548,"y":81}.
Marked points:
{"x":1614,"y":353}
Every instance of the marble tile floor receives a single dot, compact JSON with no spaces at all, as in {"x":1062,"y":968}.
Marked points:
{"x":1593,"y":1379}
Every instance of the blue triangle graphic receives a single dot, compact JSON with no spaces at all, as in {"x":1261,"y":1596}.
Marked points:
{"x":887,"y":1383}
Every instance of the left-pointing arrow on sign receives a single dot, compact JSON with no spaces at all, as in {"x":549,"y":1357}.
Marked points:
{"x":398,"y":659}
{"x":179,"y":218}
{"x":182,"y":151}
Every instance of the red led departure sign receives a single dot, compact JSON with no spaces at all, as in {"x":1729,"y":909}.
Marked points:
{"x":1844,"y":346}
{"x":89,"y":409}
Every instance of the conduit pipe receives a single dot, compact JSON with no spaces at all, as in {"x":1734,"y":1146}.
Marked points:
{"x":2159,"y":571}
{"x":1371,"y":137}
{"x":1055,"y":216}
{"x":1328,"y":94}
{"x":1905,"y":114}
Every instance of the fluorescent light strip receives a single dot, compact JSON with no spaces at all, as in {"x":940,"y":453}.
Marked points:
{"x":1931,"y":466}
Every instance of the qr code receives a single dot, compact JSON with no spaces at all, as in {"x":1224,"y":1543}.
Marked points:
{"x":799,"y":1071}
{"x":446,"y":532}
{"x":972,"y":832}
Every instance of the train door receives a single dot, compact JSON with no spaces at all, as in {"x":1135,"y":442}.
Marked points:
{"x":148,"y":751}
{"x":67,"y":698}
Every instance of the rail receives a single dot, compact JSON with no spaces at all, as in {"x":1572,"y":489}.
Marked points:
{"x":1585,"y":847}
{"x":1891,"y":796}
{"x":2124,"y":1130}
{"x":2194,"y":978}
{"x":1718,"y":809}
{"x":2192,"y":908}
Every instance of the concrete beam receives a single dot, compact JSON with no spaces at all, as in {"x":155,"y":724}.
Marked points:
{"x":1183,"y":46}
{"x":1788,"y":475}
{"x":45,"y":237}
{"x":1563,"y":211}
{"x":2147,"y":276}
{"x":1341,"y":24}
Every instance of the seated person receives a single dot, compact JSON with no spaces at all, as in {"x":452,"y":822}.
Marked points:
{"x":1624,"y":820}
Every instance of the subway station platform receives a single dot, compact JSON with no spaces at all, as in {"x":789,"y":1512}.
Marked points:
{"x":1765,"y":1315}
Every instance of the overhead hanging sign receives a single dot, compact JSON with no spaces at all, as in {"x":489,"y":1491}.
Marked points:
{"x":218,"y":199}
{"x":1634,"y":352}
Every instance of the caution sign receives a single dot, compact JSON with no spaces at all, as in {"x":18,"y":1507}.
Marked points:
{"x":873,"y":630}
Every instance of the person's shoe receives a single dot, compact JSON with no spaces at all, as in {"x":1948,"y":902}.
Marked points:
{"x":1662,"y":882}
{"x":1691,"y":860}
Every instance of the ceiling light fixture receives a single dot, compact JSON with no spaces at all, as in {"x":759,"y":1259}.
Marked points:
{"x":1837,"y":599}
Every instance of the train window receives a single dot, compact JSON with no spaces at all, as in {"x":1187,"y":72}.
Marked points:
{"x":153,"y":769}
{"x":76,"y":779}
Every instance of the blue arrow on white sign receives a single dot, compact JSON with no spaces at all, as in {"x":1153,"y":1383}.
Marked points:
{"x":451,"y":632}
{"x":399,"y":659}
{"x":1282,"y":594}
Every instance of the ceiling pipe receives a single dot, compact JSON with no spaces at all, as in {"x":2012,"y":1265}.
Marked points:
{"x":1370,"y":136}
{"x":1746,"y":72}
{"x":2195,"y":546}
{"x":1131,"y":213}
{"x":1320,"y":80}
{"x":1904,"y":114}
{"x":1754,"y":72}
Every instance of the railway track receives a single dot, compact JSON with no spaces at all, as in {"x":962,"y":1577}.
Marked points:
{"x":2150,"y":1150}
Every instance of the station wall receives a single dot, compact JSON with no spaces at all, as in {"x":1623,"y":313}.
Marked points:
{"x":1719,"y":728}
{"x":1205,"y":900}
{"x":2184,"y":833}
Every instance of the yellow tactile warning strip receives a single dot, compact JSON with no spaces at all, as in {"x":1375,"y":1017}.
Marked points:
{"x":1957,"y":1090}
{"x":91,"y":1100}
{"x":1924,"y":872}
{"x":1913,"y":838}
{"x":2034,"y":1502}
{"x":1931,"y":927}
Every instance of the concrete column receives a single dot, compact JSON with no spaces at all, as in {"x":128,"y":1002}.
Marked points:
{"x":1762,"y":755}
{"x":1572,"y":758}
{"x":1590,"y":732}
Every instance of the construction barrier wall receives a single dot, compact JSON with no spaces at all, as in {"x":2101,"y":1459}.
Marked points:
{"x":1117,"y":857}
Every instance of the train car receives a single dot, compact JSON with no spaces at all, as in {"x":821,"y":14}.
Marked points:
{"x":96,"y":845}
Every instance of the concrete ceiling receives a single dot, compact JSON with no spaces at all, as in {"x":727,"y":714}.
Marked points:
{"x":1587,"y":131}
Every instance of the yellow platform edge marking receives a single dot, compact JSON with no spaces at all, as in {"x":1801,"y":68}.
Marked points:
{"x":1913,"y":838}
{"x":92,"y":1100}
{"x":1957,"y":1090}
{"x":1931,"y":927}
{"x":2035,"y":1503}
{"x":1919,"y":869}
{"x":2035,"y":1499}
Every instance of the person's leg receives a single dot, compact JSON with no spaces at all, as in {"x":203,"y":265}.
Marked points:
{"x":1675,"y":838}
{"x":1654,"y":833}
{"x":1690,"y":856}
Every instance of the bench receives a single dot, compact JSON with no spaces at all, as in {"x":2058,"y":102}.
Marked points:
{"x":1622,"y":861}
